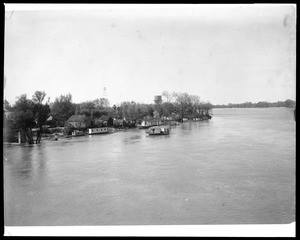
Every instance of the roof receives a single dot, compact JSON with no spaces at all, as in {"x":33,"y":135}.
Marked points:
{"x":77,"y":118}
{"x":151,"y":118}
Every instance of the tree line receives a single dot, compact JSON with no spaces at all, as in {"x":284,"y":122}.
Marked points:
{"x":28,"y":113}
{"x":263,"y":104}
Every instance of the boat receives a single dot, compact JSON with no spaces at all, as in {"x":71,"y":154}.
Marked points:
{"x":159,"y":130}
{"x":76,"y":133}
{"x":144,"y":125}
{"x":101,"y":130}
{"x":149,"y":123}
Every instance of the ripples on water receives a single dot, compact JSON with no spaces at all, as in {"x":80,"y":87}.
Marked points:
{"x":239,"y":167}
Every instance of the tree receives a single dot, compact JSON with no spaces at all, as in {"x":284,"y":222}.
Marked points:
{"x":104,"y":103}
{"x":206,"y":106}
{"x":195,"y":104}
{"x":150,"y":110}
{"x":63,"y":108}
{"x":41,"y":111}
{"x":168,"y":96}
{"x":140,"y":114}
{"x":23,"y":116}
{"x":289,"y":103}
{"x":6,"y":105}
{"x":159,"y":109}
{"x":38,"y":96}
{"x":101,"y":103}
{"x":142,"y":110}
{"x":110,"y":122}
{"x":131,"y":110}
{"x":27,"y":114}
{"x":184,"y":100}
{"x":87,"y":108}
{"x":168,"y":108}
{"x":41,"y":115}
{"x":127,"y":109}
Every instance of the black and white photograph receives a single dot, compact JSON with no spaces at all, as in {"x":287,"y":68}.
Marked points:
{"x":149,"y":120}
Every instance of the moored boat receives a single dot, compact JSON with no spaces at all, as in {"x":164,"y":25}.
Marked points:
{"x":149,"y":123}
{"x":159,"y":130}
{"x":98,"y":130}
{"x":76,"y":133}
{"x":144,"y":125}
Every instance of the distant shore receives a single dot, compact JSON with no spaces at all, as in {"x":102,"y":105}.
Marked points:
{"x":287,"y":103}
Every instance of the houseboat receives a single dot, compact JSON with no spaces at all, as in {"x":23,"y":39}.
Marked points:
{"x":159,"y":130}
{"x":98,"y":130}
{"x":76,"y":133}
{"x":149,"y":123}
{"x":144,"y":125}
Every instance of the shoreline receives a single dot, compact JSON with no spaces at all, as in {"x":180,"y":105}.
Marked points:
{"x":50,"y":137}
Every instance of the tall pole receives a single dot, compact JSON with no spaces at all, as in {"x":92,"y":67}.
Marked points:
{"x":19,"y":137}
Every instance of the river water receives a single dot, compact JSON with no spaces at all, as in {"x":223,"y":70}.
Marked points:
{"x":237,"y":168}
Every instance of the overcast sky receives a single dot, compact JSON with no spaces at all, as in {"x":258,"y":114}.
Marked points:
{"x":223,"y":53}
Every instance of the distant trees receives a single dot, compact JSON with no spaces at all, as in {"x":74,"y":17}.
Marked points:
{"x":189,"y":106}
{"x":183,"y":103}
{"x":262,"y":104}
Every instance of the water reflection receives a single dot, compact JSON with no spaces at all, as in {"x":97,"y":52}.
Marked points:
{"x":41,"y":162}
{"x":132,"y":139}
{"x":23,"y":162}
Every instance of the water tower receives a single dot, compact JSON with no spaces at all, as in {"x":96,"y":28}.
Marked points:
{"x":105,"y":98}
{"x":157,"y":106}
{"x":104,"y":93}
{"x":157,"y":99}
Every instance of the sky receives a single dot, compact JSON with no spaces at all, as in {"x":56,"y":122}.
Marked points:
{"x":222,"y":53}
